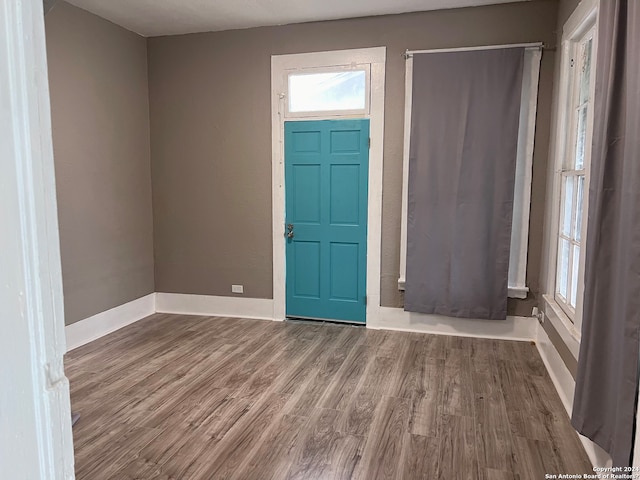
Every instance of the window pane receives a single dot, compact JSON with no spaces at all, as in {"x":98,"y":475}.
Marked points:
{"x":563,"y":267}
{"x":578,"y":230}
{"x":574,"y":276}
{"x":581,"y":138}
{"x":585,"y":72}
{"x":311,"y":92}
{"x":567,"y":206}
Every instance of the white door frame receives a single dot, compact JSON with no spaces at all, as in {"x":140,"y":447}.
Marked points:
{"x":280,"y":64}
{"x":35,"y":416}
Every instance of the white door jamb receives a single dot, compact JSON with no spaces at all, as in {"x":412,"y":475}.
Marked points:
{"x":280,"y":64}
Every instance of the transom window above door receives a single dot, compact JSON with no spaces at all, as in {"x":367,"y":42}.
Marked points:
{"x":335,"y":91}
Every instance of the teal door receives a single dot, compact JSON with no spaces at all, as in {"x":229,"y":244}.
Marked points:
{"x":326,"y":185}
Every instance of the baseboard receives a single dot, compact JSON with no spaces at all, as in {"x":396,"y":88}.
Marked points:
{"x":210,"y":305}
{"x":101,"y":324}
{"x":565,"y":386}
{"x":513,"y":328}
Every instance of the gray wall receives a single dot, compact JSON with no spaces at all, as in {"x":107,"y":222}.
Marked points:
{"x":565,"y":9}
{"x":100,"y":116}
{"x":211,"y":138}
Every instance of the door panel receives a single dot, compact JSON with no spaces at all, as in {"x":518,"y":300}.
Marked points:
{"x":344,"y":271}
{"x":326,"y":184}
{"x":306,"y":193}
{"x":306,"y":257}
{"x":345,"y":195}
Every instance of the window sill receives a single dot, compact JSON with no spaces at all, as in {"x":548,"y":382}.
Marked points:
{"x":518,"y":292}
{"x":514,"y":292}
{"x":562,"y":323}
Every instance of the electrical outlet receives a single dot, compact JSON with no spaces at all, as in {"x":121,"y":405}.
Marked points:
{"x":535,"y":312}
{"x":237,"y":288}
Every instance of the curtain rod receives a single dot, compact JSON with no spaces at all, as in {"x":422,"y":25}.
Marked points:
{"x":410,"y":53}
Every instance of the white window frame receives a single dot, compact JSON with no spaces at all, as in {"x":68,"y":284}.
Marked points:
{"x":524,"y":166}
{"x":568,"y":321}
{"x":574,"y":45}
{"x":308,"y":114}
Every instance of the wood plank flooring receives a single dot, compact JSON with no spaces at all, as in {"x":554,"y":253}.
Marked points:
{"x":184,"y":397}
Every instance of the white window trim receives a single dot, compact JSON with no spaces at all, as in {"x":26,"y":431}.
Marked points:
{"x":358,"y":113}
{"x":524,"y":168}
{"x":376,"y":58}
{"x":583,"y":18}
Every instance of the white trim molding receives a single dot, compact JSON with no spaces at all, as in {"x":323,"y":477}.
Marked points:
{"x":388,"y":318}
{"x":36,"y":440}
{"x":240,"y":307}
{"x":565,"y":386}
{"x":562,"y":324}
{"x":375,"y":58}
{"x":524,"y":174}
{"x":513,"y":328}
{"x":524,"y":163}
{"x":101,"y":324}
{"x":586,"y":12}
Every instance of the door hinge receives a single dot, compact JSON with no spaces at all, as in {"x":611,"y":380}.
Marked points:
{"x":369,"y":143}
{"x":365,"y":300}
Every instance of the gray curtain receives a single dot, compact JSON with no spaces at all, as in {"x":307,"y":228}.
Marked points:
{"x":464,"y":135}
{"x":604,"y":407}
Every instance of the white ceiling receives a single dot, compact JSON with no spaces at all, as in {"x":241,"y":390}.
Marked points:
{"x":169,"y":17}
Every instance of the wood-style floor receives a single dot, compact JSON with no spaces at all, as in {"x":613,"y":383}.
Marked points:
{"x":179,"y":397}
